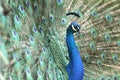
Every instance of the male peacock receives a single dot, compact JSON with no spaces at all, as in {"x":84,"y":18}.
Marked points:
{"x":75,"y":66}
{"x":33,"y":39}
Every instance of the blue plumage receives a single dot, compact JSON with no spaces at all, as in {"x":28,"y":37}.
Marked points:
{"x":75,"y":67}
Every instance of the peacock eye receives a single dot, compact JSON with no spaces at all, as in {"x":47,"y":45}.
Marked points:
{"x":43,"y":49}
{"x":59,"y":2}
{"x":99,"y":63}
{"x":103,"y":56}
{"x":31,"y":39}
{"x":109,"y":18}
{"x":38,"y":72}
{"x":93,"y":32}
{"x":27,"y":71}
{"x":27,"y":52}
{"x":15,"y":57}
{"x":87,"y":58}
{"x":43,"y":19}
{"x":102,"y":78}
{"x":17,"y":18}
{"x":115,"y":78}
{"x":50,"y":60}
{"x":28,"y":4}
{"x":94,"y":13}
{"x":92,"y":46}
{"x":40,"y":59}
{"x":14,"y":33}
{"x":63,"y":21}
{"x":21,"y":9}
{"x":115,"y":57}
{"x":107,"y":38}
{"x":51,"y":18}
{"x":35,"y":6}
{"x":108,"y":78}
{"x":34,"y":29}
{"x":40,"y":28}
{"x":118,"y":43}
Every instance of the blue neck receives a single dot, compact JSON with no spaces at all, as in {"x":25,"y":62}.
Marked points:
{"x":71,"y":44}
{"x":75,"y":66}
{"x":70,"y":40}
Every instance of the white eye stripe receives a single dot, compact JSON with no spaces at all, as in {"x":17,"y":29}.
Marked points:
{"x":78,"y":27}
{"x":73,"y":28}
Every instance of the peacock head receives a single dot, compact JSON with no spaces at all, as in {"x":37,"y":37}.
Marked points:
{"x":73,"y":27}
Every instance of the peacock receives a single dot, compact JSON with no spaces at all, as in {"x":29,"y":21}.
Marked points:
{"x":74,"y":72}
{"x":59,"y":39}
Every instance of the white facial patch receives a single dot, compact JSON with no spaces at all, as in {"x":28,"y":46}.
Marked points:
{"x":78,"y":27}
{"x":73,"y":28}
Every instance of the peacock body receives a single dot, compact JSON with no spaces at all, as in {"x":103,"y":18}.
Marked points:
{"x":74,"y":72}
{"x":34,"y":33}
